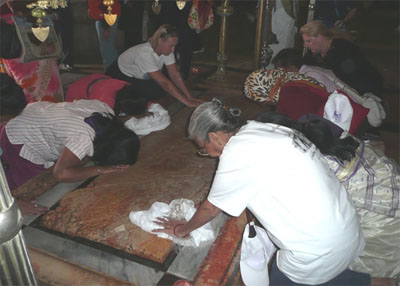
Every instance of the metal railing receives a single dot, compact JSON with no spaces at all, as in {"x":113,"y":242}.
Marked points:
{"x":16,"y":268}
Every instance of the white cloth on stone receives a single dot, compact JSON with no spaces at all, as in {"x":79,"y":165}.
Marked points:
{"x":158,"y":120}
{"x":177,"y":209}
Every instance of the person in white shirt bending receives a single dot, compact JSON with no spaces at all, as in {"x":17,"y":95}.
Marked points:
{"x":283,"y":179}
{"x":142,"y":66}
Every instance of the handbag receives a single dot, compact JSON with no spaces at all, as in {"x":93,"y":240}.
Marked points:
{"x":201,"y":15}
{"x":256,"y":252}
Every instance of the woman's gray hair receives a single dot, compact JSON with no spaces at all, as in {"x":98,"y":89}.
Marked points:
{"x":213,"y":116}
{"x":164,"y":32}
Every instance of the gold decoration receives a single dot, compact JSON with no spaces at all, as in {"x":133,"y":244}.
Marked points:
{"x":109,"y":17}
{"x":181,"y":4}
{"x":39,"y":11}
{"x":156,"y":7}
{"x":41,"y":33}
{"x":44,"y":4}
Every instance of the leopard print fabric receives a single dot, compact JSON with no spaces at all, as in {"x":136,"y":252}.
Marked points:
{"x":264,"y":85}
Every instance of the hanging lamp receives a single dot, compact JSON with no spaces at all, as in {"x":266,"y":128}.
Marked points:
{"x":109,"y":17}
{"x":156,"y":7}
{"x":39,"y":11}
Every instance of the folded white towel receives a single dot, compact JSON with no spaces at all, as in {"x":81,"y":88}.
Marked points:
{"x":177,"y":209}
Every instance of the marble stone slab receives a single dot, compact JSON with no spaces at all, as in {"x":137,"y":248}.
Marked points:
{"x":93,"y":258}
{"x":189,"y":259}
{"x":167,"y":169}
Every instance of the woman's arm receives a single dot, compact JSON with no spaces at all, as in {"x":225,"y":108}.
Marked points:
{"x":70,"y":168}
{"x":206,"y":212}
{"x":170,"y":88}
{"x":176,"y":77}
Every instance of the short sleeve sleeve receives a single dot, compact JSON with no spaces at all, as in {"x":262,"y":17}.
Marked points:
{"x":146,"y":63}
{"x":81,"y":146}
{"x":170,"y":59}
{"x":236,"y":181}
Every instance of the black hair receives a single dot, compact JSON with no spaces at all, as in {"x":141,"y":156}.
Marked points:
{"x":318,"y":132}
{"x":128,"y":102}
{"x":114,"y":144}
{"x":12,"y":97}
{"x":10,"y":46}
{"x":288,"y":57}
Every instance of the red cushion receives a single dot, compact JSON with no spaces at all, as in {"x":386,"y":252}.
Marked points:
{"x":297,"y":99}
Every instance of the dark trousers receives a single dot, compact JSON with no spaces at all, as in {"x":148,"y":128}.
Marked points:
{"x":170,"y":14}
{"x":131,"y":22}
{"x":141,"y":87}
{"x":64,"y":27}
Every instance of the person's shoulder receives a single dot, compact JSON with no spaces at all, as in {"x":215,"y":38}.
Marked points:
{"x":342,"y":43}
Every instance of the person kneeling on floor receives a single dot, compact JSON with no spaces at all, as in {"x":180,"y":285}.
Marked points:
{"x":66,"y":135}
{"x":283,"y":179}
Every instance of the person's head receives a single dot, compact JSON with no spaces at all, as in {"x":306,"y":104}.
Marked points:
{"x":12,"y":97}
{"x":212,"y":124}
{"x":318,"y":131}
{"x":289,"y":59}
{"x":164,"y":40}
{"x":129,"y":102}
{"x":114,"y":144}
{"x":277,"y":118}
{"x":316,"y":36}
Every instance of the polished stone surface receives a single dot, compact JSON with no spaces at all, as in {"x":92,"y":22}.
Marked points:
{"x":93,"y":258}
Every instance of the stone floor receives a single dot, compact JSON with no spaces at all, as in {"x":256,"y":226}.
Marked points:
{"x":88,"y":224}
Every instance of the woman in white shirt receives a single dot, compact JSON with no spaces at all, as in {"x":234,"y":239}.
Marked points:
{"x":142,"y":64}
{"x":282,"y":178}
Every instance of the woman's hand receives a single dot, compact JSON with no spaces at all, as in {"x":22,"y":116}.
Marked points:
{"x":31,"y":208}
{"x":194,"y":102}
{"x":171,"y":227}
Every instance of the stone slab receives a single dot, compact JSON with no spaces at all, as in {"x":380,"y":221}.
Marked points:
{"x":167,"y":169}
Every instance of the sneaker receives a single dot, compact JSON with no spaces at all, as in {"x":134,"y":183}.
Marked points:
{"x":159,"y":120}
{"x":66,"y":67}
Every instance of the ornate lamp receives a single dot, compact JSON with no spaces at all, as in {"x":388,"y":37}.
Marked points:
{"x":156,"y":7}
{"x":109,"y":17}
{"x":39,"y":11}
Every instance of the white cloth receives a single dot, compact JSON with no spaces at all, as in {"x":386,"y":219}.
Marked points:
{"x":255,"y":254}
{"x":141,"y":59}
{"x":286,"y":183}
{"x":338,"y":110}
{"x":177,"y":209}
{"x":45,"y":128}
{"x":158,"y":120}
{"x":322,"y":75}
{"x":376,"y":112}
{"x":283,"y":26}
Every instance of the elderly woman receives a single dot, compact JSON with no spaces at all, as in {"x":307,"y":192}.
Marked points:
{"x":142,"y":64}
{"x":346,"y":60}
{"x":283,"y":180}
{"x":66,"y":135}
{"x":373,"y":182}
{"x":296,"y":94}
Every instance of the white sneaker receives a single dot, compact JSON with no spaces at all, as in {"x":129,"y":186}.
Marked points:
{"x":159,"y":120}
